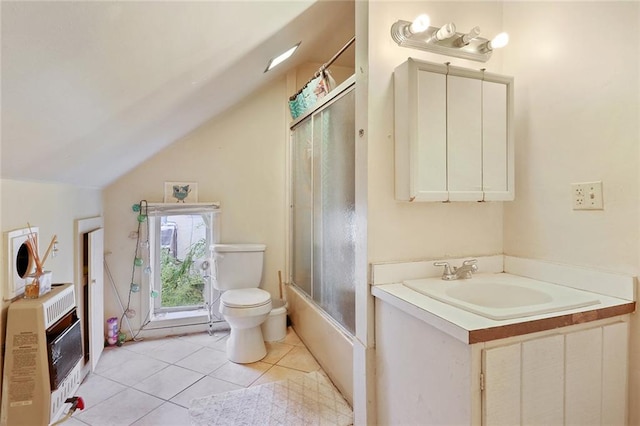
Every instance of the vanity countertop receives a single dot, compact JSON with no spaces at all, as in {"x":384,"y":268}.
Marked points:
{"x":472,"y":328}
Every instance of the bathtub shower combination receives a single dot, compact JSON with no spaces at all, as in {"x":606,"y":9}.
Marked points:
{"x":323,"y":205}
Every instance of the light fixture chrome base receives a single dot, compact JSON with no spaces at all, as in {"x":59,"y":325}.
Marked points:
{"x":475,"y":50}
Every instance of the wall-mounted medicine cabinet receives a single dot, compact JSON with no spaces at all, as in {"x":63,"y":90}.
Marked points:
{"x":453,"y":133}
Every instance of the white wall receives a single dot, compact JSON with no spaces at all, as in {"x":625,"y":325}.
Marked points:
{"x":237,"y":158}
{"x":402,"y":230}
{"x":577,"y":98}
{"x":577,"y":88}
{"x":53,"y":208}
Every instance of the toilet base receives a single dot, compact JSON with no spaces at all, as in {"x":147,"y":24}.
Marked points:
{"x":246,"y":345}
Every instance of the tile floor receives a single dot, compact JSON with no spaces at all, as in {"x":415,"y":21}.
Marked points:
{"x":151,"y":382}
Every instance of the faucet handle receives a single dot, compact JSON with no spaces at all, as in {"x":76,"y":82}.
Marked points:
{"x":447,"y":267}
{"x":472,"y":263}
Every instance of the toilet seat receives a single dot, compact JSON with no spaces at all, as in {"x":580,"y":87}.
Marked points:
{"x":245,"y":298}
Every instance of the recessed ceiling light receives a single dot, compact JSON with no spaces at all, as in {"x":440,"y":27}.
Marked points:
{"x":281,"y":58}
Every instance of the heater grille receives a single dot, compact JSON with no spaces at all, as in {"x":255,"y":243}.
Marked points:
{"x":56,"y":307}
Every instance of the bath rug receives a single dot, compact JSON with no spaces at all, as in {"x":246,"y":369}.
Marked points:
{"x":310,"y":399}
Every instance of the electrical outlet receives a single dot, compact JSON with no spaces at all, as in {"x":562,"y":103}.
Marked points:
{"x":587,"y":196}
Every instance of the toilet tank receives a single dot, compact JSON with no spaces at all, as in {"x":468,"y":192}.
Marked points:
{"x":237,"y":265}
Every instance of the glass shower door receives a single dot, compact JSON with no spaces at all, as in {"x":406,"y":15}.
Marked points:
{"x":302,"y":244}
{"x":324,"y":208}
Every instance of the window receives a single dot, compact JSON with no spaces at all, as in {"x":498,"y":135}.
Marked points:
{"x":180,"y":240}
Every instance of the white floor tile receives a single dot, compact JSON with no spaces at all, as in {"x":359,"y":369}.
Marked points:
{"x":277,"y":373}
{"x":301,"y":359}
{"x":112,"y":357}
{"x":203,"y":339}
{"x":152,"y":382}
{"x":220,"y":344}
{"x":168,"y":414}
{"x":145,"y":346}
{"x":204,"y":387}
{"x":96,"y":389}
{"x":241,"y":374}
{"x":168,"y":382}
{"x":173,"y":350}
{"x":124,"y":408}
{"x":73,"y":421}
{"x":292,"y":338}
{"x":275,"y":351}
{"x":204,"y":361}
{"x":134,"y":368}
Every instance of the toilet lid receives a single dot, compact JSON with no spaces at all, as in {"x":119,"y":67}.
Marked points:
{"x":245,"y":298}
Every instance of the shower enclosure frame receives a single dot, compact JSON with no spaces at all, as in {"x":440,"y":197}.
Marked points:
{"x":344,"y":89}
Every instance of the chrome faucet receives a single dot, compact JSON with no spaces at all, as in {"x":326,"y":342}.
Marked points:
{"x":463,"y":272}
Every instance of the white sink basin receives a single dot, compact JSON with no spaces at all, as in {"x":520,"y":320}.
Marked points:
{"x":503,"y":296}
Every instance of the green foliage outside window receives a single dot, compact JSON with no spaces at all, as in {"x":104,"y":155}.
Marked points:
{"x":182,"y":285}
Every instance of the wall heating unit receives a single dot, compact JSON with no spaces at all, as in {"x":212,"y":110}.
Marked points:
{"x":43,"y":358}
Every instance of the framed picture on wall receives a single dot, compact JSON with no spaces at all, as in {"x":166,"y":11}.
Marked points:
{"x":180,"y":192}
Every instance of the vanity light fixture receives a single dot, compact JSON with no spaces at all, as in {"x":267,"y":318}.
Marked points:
{"x":445,"y":40}
{"x":499,"y":41}
{"x":281,"y":58}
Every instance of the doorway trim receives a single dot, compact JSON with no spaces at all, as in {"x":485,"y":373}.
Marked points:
{"x":82,"y":226}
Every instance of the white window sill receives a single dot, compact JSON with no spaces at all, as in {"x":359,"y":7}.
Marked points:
{"x":168,"y":319}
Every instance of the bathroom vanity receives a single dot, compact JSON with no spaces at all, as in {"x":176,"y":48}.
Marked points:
{"x":562,"y":365}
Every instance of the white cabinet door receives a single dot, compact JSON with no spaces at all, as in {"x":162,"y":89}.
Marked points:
{"x":543,"y":381}
{"x":583,"y":387}
{"x":464,"y":138}
{"x":615,"y":350}
{"x":96,"y":296}
{"x":502,"y":385}
{"x":497,"y":152}
{"x":420,"y":131}
{"x":429,"y":180}
{"x":577,"y":378}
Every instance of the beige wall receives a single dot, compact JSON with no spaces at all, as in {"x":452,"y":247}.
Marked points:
{"x":53,"y":208}
{"x":237,"y":158}
{"x":577,"y":111}
{"x":406,"y":231}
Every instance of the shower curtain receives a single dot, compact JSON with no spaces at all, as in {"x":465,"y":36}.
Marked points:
{"x":316,"y":89}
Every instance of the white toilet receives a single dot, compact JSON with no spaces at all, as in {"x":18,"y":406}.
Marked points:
{"x":238,"y":271}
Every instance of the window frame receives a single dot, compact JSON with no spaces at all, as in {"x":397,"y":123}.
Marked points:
{"x":175,"y":316}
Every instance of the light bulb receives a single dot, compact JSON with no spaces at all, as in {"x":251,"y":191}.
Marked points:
{"x":501,"y":40}
{"x":420,"y":24}
{"x":465,"y":39}
{"x":446,"y":31}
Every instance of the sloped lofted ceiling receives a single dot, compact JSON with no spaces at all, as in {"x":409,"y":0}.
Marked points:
{"x":92,"y":89}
